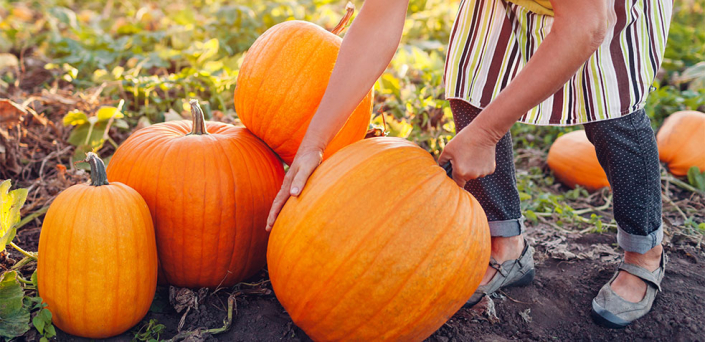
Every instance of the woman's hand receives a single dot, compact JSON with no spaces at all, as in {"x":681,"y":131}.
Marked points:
{"x":302,"y":167}
{"x":471,"y":153}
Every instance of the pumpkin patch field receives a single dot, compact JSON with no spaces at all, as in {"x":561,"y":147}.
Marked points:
{"x":142,"y":144}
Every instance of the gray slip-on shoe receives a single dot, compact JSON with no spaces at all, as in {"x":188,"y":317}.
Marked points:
{"x":518,"y":272}
{"x":612,"y":311}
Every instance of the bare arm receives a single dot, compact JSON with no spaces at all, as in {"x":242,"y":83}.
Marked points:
{"x":367,"y":49}
{"x":578,"y":30}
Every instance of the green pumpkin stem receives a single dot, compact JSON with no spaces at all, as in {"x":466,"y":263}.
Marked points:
{"x":98,"y":175}
{"x":349,"y":10}
{"x":199,"y":121}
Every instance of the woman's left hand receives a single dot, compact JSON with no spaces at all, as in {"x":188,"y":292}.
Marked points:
{"x":471,"y":153}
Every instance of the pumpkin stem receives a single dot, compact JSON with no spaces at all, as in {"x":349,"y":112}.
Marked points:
{"x":199,"y":121}
{"x":98,"y":175}
{"x":349,"y":10}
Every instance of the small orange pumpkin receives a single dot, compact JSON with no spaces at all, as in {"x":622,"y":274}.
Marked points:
{"x":97,"y":267}
{"x":209,"y":186}
{"x":573,"y":159}
{"x":381,"y":245}
{"x":681,"y":142}
{"x":281,"y":82}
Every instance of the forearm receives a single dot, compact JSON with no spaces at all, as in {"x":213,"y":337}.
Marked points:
{"x":367,"y":49}
{"x":552,"y":65}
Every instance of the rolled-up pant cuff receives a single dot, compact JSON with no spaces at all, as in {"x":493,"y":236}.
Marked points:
{"x":639,"y":243}
{"x":507,"y":228}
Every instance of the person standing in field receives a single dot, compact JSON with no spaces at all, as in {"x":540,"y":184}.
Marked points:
{"x":539,"y":62}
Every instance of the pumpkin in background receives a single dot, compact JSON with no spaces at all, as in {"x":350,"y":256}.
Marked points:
{"x":573,"y":159}
{"x":381,"y":245}
{"x":209,"y":186}
{"x":97,"y":267}
{"x":281,"y":82}
{"x":681,"y":142}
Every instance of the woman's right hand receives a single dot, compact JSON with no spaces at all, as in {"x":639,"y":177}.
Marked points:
{"x":301,"y":168}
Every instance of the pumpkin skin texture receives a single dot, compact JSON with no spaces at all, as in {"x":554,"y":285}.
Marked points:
{"x":380,"y":245}
{"x":209,"y":195}
{"x":573,"y":159}
{"x":97,"y":267}
{"x":281,"y":83}
{"x":681,"y":142}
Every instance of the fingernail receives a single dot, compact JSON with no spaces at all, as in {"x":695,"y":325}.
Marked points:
{"x":294,"y":191}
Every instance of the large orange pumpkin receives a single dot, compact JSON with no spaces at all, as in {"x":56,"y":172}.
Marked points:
{"x":209,"y":186}
{"x":573,"y":159}
{"x":381,"y":245}
{"x":681,"y":142}
{"x":280,"y":85}
{"x":97,"y":268}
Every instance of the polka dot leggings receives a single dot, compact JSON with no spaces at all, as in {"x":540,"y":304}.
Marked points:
{"x":626,"y":149}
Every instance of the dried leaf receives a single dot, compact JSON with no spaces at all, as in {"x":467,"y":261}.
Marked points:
{"x":10,"y":113}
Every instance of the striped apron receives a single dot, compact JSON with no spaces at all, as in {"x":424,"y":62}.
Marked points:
{"x":492,"y":40}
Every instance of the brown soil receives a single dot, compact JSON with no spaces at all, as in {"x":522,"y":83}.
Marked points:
{"x":570,"y":270}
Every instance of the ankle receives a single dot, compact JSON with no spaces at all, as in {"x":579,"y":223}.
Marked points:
{"x":507,"y":248}
{"x":651,"y":260}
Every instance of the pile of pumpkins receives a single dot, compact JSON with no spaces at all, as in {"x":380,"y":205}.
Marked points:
{"x":680,"y":140}
{"x":381,"y":244}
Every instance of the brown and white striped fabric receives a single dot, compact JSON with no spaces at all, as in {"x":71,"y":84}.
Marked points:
{"x":492,"y":40}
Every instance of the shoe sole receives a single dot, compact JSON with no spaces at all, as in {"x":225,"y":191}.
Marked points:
{"x":523,"y":281}
{"x":606,"y":319}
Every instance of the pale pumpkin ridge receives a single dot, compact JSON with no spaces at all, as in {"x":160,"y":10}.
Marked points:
{"x":154,"y":212}
{"x":409,"y":276}
{"x":53,"y":224}
{"x":83,"y":319}
{"x":356,"y":249}
{"x":246,"y":155}
{"x":202,"y":152}
{"x":451,"y":281}
{"x":313,"y":57}
{"x":213,"y":146}
{"x":178,"y":251}
{"x":223,"y":152}
{"x":116,"y":197}
{"x":68,"y":257}
{"x":233,"y":146}
{"x":255,"y":110}
{"x":246,"y":69}
{"x":315,"y":202}
{"x":321,"y":187}
{"x":266,"y":126}
{"x":133,"y":154}
{"x":136,"y":247}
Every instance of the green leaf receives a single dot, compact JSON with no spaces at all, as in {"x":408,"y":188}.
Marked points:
{"x":14,"y":317}
{"x":38,"y":323}
{"x":45,"y":314}
{"x":75,"y":118}
{"x":34,"y":279}
{"x":49,"y":331}
{"x":105,"y":113}
{"x":10,"y":204}
{"x":79,"y":134}
{"x":696,"y":178}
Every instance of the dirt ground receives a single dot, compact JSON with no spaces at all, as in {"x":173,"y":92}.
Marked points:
{"x":571,"y":268}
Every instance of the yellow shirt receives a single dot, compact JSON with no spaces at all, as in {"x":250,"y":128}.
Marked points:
{"x":537,"y":6}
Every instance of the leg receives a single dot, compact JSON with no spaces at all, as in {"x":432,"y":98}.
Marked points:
{"x":626,"y":149}
{"x":497,"y":194}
